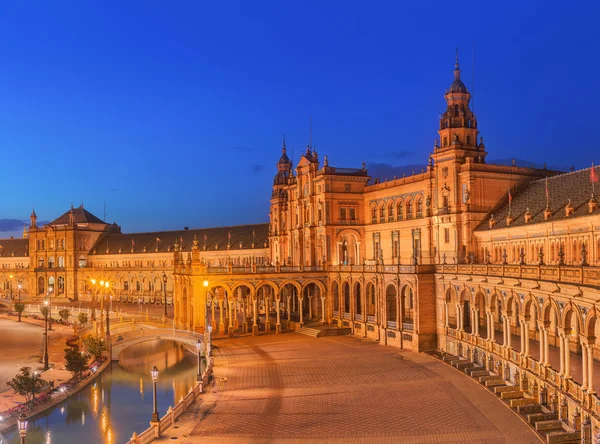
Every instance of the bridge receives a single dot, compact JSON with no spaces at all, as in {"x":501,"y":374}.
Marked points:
{"x":122,"y":340}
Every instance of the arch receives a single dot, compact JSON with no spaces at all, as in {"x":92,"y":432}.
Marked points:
{"x":291,"y":282}
{"x":407,"y":306}
{"x":41,"y":285}
{"x":61,"y":262}
{"x":357,"y":299}
{"x":346,"y":296}
{"x":61,"y":284}
{"x":390,"y":210}
{"x":370,"y":298}
{"x":253,"y":290}
{"x":419,"y":206}
{"x":571,"y":318}
{"x":51,"y":262}
{"x":391,"y":305}
{"x":316,"y":282}
{"x":451,"y":313}
{"x":408,"y":203}
{"x":590,"y":326}
{"x":335,"y":294}
{"x":400,"y":209}
{"x":374,"y":213}
{"x":382,"y":208}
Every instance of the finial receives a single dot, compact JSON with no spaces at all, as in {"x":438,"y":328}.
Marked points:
{"x":283,"y":146}
{"x":456,"y":68}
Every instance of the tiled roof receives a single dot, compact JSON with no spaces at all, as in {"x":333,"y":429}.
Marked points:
{"x":575,"y":186}
{"x":81,"y":216}
{"x":209,"y":237}
{"x":16,"y":246}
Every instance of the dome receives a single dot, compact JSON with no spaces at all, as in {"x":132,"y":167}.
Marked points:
{"x":284,"y":158}
{"x":458,"y":87}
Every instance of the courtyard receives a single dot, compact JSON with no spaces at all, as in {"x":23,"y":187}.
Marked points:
{"x":295,"y":388}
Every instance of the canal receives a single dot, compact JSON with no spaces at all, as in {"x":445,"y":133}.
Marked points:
{"x":119,"y":401}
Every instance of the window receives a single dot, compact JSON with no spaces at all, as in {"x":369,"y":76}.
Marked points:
{"x":126,"y":285}
{"x":374,"y":214}
{"x":469,"y":139}
{"x":409,"y":209}
{"x":420,"y":207}
{"x":347,"y":188}
{"x":400,"y":212}
{"x":352,"y":214}
{"x":455,"y":110}
{"x":82,"y":262}
{"x":342,"y":214}
{"x":382,"y":213}
{"x":446,"y":141}
{"x":41,"y":262}
{"x":138,"y":286}
{"x":61,"y":261}
{"x":447,"y":235}
{"x":445,"y":202}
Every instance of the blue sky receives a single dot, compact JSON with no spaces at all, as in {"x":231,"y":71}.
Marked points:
{"x":173,"y":112}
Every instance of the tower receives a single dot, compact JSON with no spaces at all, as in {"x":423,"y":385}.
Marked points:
{"x":458,"y":125}
{"x":33,"y":219}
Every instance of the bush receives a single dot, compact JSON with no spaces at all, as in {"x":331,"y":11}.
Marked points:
{"x":76,"y":360}
{"x":64,"y":315}
{"x":25,"y":383}
{"x":82,"y":318}
{"x":95,"y":346}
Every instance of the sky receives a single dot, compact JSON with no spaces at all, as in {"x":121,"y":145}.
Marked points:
{"x":171,"y":114}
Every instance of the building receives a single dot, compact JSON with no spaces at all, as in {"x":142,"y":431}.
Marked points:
{"x":454,"y":258}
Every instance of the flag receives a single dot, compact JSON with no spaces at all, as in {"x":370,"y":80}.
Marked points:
{"x":181,"y":240}
{"x":593,"y":175}
{"x":132,"y":243}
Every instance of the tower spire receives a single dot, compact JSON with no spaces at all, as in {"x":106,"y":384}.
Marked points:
{"x":456,"y":66}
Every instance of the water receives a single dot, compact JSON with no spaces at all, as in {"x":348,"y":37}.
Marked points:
{"x":118,"y":402}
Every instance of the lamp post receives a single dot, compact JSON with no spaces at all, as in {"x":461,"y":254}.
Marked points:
{"x":19,"y":286}
{"x":50,"y":291}
{"x":10,"y":285}
{"x":102,"y":296}
{"x":35,"y":375}
{"x":93,"y":281}
{"x":154,"y":373}
{"x":106,"y":286}
{"x":207,"y":328}
{"x":200,"y":350}
{"x":46,"y":336}
{"x":164,"y":278}
{"x":22,"y":422}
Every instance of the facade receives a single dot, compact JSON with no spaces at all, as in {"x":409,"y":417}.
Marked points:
{"x":462,"y":256}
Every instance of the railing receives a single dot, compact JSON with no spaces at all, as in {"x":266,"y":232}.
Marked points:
{"x":567,"y":274}
{"x":346,"y":315}
{"x":358,"y":317}
{"x":336,"y":313}
{"x":409,"y":326}
{"x":391,"y":324}
{"x":371,"y":319}
{"x":174,"y":413}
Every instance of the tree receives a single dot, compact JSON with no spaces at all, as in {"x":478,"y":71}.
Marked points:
{"x":44,"y":310}
{"x":82,"y":318}
{"x":95,"y":346}
{"x":64,"y":315}
{"x":25,"y":382}
{"x":19,"y":308}
{"x":76,"y":360}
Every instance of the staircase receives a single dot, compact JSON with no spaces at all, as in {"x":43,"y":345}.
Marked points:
{"x":309,"y":332}
{"x":540,"y":417}
{"x":318,"y":331}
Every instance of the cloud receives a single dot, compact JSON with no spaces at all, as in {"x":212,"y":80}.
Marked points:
{"x":387,"y":171}
{"x":257,"y":168}
{"x":11,"y":224}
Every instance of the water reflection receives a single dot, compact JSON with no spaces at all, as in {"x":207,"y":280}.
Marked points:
{"x":119,"y":402}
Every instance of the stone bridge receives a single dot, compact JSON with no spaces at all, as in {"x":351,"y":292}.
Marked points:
{"x":121,"y":341}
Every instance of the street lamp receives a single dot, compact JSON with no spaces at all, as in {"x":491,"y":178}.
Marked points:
{"x":19,"y":286}
{"x":10,"y":285}
{"x":46,"y":337}
{"x":164,"y":276}
{"x":50,"y":291}
{"x":200,"y":350}
{"x":22,"y":422}
{"x":106,"y":285}
{"x":154,"y":373}
{"x":93,"y":281}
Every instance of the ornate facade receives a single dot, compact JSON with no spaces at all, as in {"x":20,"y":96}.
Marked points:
{"x":461,"y":256}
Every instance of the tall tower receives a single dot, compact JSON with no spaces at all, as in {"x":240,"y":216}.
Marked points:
{"x":458,"y":125}
{"x":33,"y":219}
{"x":279,"y":214}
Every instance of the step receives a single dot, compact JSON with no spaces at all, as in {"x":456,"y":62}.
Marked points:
{"x":479,"y":373}
{"x":531,"y":409}
{"x":483,"y":379}
{"x":516,"y":403}
{"x":449,"y":358}
{"x":563,"y":437}
{"x":514,"y":395}
{"x":493,"y":383}
{"x":506,"y":388}
{"x":458,"y":361}
{"x":532,"y":418}
{"x":308,"y":332}
{"x":549,"y":424}
{"x":475,"y":368}
{"x":465,"y":366}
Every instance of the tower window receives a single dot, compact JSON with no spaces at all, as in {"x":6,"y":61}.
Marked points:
{"x":447,"y":235}
{"x":445,"y":141}
{"x":468,"y":140}
{"x":455,"y":110}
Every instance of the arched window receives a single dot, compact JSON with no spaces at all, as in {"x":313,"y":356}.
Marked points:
{"x":82,"y":262}
{"x":456,"y":111}
{"x":41,"y":262}
{"x":390,"y":306}
{"x":61,"y":261}
{"x":391,"y":211}
{"x":346,"y":292}
{"x":51,"y":283}
{"x":370,"y":295}
{"x":409,"y":209}
{"x":419,"y":207}
{"x":407,"y":307}
{"x":357,"y":299}
{"x":400,"y":212}
{"x":336,"y":296}
{"x":51,"y":262}
{"x":382,"y":213}
{"x":41,"y":285}
{"x":61,"y":285}
{"x":374,"y":214}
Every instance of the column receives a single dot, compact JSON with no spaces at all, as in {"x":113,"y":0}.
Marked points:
{"x":490,"y":325}
{"x":567,"y":339}
{"x":562,"y":351}
{"x":310,"y":312}
{"x":525,"y":350}
{"x":590,"y":363}
{"x":221,"y":321}
{"x":289,"y":308}
{"x":267,"y":308}
{"x":245,"y":314}
{"x":584,"y":366}
{"x":546,"y":347}
{"x":476,"y":324}
{"x":213,"y":321}
{"x":447,"y":323}
{"x":323,"y":310}
{"x":230,"y":312}
{"x":522,"y":334}
{"x":300,"y":300}
{"x":254,"y":309}
{"x":459,"y":317}
{"x":277,"y":309}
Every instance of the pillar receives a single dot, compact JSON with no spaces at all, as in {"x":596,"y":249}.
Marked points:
{"x":277,"y":309}
{"x":245,"y":314}
{"x":254,"y":309}
{"x":446,"y":320}
{"x":221,"y":320}
{"x":459,"y":317}
{"x":267,"y":309}
{"x":289,"y":308}
{"x":584,"y":366}
{"x":213,"y":320}
{"x":590,"y":363}
{"x":476,"y":324}
{"x":300,"y":300}
{"x":323,"y":310}
{"x":561,"y":343}
{"x":230,"y":312}
{"x":235,"y":312}
{"x":567,"y":353}
{"x":310,"y":312}
{"x":525,"y":350}
{"x":546,"y":347}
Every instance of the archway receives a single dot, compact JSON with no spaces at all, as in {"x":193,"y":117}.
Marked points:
{"x":451,"y":318}
{"x":335,"y":293}
{"x":346,"y":295}
{"x":391,"y":306}
{"x":407,"y":308}
{"x":370,"y":297}
{"x":358,"y":304}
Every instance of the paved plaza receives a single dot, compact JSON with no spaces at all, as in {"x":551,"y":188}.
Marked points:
{"x":295,"y":388}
